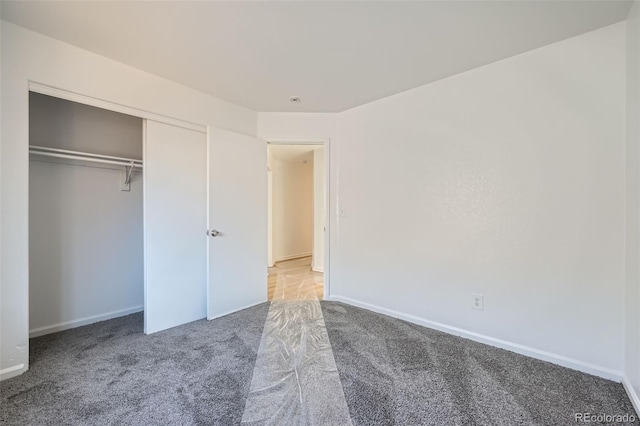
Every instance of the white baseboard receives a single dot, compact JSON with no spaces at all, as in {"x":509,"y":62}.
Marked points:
{"x":251,"y":305}
{"x":292,"y":256}
{"x":7,"y":373}
{"x":633,"y":395}
{"x":561,"y":360}
{"x":321,"y":270}
{"x":41,"y":331}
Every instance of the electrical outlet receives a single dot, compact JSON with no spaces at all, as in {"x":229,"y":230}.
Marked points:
{"x":478,"y":302}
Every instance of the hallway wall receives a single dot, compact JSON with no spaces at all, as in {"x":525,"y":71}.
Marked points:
{"x":319,"y":210}
{"x":292,"y":205}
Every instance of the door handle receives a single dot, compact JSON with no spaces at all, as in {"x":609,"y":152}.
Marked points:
{"x":213,"y":233}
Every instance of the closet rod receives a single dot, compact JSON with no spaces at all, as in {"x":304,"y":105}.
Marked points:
{"x":93,"y":160}
{"x":42,"y":150}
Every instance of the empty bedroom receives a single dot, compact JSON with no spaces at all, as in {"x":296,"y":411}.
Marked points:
{"x":320,"y":212}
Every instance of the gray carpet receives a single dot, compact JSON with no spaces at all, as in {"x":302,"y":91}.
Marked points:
{"x":398,"y":373}
{"x":392,"y":373}
{"x":111,"y":373}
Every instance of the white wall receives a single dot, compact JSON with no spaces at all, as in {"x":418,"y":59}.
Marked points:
{"x":319,"y":210}
{"x":292,"y":209}
{"x":507,"y":180}
{"x":632,"y":288}
{"x":270,"y":166}
{"x":296,"y":125}
{"x":85,"y":246}
{"x":4,"y":316}
{"x":28,"y":56}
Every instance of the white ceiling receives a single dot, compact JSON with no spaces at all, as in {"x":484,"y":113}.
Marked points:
{"x":334,"y":55}
{"x":293,"y":153}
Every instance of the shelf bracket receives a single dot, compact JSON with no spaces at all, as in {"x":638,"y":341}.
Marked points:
{"x":128,"y":170}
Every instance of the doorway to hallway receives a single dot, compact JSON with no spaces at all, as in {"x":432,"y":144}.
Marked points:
{"x":296,"y":221}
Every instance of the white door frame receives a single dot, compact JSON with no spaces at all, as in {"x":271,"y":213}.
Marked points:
{"x":326,"y":143}
{"x":44,"y":89}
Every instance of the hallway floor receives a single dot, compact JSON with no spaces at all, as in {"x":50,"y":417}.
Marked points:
{"x":294,"y":280}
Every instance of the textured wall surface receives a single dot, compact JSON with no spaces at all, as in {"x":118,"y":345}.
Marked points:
{"x":508,"y":181}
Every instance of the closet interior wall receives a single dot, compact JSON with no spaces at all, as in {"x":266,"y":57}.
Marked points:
{"x":85,"y":232}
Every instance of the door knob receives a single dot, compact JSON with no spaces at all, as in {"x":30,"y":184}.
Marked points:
{"x":213,"y":233}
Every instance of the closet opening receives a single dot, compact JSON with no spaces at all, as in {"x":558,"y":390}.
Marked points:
{"x":86,"y":247}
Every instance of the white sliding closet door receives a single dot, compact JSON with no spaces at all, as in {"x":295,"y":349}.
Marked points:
{"x":238,"y":212}
{"x":175,"y":197}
